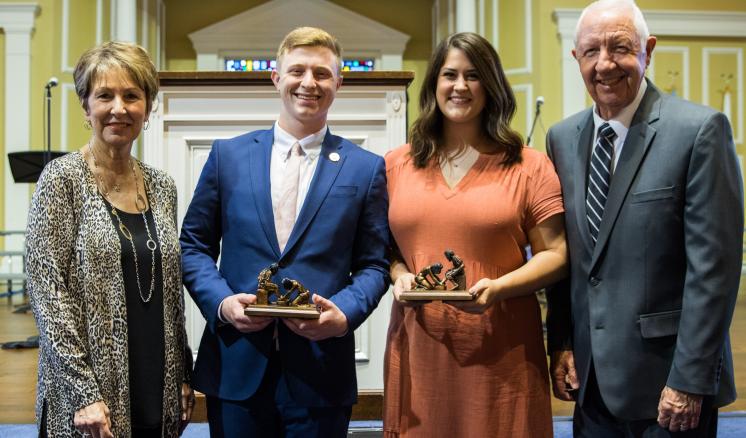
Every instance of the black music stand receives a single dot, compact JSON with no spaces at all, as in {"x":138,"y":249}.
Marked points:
{"x":27,"y":166}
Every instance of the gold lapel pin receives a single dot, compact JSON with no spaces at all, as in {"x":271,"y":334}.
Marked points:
{"x":334,"y":156}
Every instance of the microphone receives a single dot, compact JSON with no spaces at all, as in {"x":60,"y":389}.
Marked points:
{"x":53,"y":81}
{"x":539,"y":103}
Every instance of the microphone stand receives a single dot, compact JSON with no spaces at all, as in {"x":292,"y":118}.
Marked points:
{"x":48,"y":100}
{"x":533,"y":125}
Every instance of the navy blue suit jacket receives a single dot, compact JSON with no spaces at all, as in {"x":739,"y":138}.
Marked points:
{"x":336,"y":249}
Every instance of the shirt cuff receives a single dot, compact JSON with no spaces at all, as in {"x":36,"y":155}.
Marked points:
{"x":220,"y":312}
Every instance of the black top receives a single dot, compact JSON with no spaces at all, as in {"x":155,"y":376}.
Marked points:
{"x":146,"y":335}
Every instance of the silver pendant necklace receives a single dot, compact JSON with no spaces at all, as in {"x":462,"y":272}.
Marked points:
{"x":141,"y":205}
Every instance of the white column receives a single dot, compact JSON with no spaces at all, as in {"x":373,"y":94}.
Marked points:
{"x":17,"y":21}
{"x":124,"y":20}
{"x":573,"y":89}
{"x":466,"y":16}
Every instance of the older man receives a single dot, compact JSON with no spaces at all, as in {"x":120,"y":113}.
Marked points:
{"x":654,"y":217}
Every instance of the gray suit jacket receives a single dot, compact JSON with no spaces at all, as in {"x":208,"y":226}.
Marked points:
{"x":650,"y":305}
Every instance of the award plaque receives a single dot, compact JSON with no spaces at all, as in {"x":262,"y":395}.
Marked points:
{"x":429,"y":286}
{"x":294,"y":302}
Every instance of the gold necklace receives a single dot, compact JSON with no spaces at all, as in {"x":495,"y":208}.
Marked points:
{"x":151,"y":244}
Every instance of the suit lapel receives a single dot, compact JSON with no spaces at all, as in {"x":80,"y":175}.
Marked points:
{"x":639,"y":138}
{"x":326,"y":172}
{"x":584,"y":139}
{"x":259,"y":157}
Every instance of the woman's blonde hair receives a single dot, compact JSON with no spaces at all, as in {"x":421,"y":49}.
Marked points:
{"x":114,"y":55}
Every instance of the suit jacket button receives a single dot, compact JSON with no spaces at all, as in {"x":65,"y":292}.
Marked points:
{"x":281,"y":265}
{"x":595,"y":281}
{"x":599,"y":326}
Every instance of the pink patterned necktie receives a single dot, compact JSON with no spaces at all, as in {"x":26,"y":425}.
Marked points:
{"x":286,"y":206}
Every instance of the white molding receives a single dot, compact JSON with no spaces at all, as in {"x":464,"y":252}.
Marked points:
{"x":65,"y":88}
{"x":466,"y":16}
{"x":144,"y":23}
{"x":738,"y":51}
{"x":65,"y":37}
{"x":125,"y":20}
{"x":99,"y":21}
{"x":255,"y":32}
{"x":161,"y":32}
{"x":451,"y":17}
{"x":17,"y":20}
{"x":528,"y":42}
{"x":684,"y":51}
{"x":661,"y":23}
{"x":482,"y":23}
{"x":528,"y":89}
{"x":696,"y":23}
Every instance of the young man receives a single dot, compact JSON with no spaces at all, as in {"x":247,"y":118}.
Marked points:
{"x":316,"y":205}
{"x":654,"y":218}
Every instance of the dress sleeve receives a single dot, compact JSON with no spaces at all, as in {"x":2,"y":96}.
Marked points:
{"x":58,"y":309}
{"x":544,"y":196}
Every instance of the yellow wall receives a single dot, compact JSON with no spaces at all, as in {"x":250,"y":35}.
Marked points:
{"x":412,"y":17}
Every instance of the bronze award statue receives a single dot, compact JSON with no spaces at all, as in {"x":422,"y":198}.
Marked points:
{"x":294,"y":302}
{"x":430,"y":286}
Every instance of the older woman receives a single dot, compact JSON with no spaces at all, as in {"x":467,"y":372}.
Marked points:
{"x":104,"y":269}
{"x":466,"y":183}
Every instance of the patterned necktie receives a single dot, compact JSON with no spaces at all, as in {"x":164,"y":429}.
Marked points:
{"x":599,"y":178}
{"x":286,"y":206}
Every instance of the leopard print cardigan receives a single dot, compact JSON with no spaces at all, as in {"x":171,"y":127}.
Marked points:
{"x":77,"y":295}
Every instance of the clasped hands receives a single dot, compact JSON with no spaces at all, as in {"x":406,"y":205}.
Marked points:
{"x":677,"y":410}
{"x":332,"y":322}
{"x":485,"y":292}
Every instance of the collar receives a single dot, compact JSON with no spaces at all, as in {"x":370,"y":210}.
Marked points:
{"x":621,"y":123}
{"x":310,"y":144}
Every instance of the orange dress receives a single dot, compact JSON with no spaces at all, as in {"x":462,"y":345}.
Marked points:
{"x":448,"y":373}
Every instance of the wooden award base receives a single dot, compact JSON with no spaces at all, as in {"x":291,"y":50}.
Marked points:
{"x":303,"y":311}
{"x":436,"y":295}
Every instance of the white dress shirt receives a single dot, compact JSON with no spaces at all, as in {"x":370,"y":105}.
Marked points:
{"x":620,"y":124}
{"x":283,"y":142}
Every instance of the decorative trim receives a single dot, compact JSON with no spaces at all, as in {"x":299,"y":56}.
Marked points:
{"x":65,"y":40}
{"x":144,"y":23}
{"x":466,"y":16}
{"x":528,"y":42}
{"x":706,"y":52}
{"x":99,"y":21}
{"x":161,"y":31}
{"x":451,"y":17}
{"x":528,"y":89}
{"x":482,"y":23}
{"x":66,"y":88}
{"x":684,"y":51}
